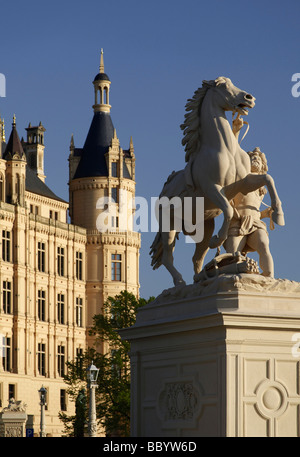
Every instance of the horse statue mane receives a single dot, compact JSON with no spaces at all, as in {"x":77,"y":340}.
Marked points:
{"x":192,"y":125}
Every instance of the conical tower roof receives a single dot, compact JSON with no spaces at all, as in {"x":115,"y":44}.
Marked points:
{"x":98,"y":140}
{"x":14,"y":147}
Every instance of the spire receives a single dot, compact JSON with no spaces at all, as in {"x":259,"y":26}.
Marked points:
{"x":2,"y":130}
{"x":101,"y":89}
{"x":101,"y":68}
{"x":72,"y":145}
{"x":14,"y":147}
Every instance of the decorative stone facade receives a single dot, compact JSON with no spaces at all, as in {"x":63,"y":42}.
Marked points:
{"x":55,"y":275}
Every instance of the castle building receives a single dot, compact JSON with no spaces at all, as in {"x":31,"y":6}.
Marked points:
{"x":56,"y":271}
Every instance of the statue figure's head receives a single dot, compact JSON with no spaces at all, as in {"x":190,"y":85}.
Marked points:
{"x":258,"y":161}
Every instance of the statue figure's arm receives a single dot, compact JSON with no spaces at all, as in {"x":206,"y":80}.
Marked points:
{"x":237,"y":124}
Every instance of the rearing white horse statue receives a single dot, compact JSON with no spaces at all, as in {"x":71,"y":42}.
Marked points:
{"x":217,"y":169}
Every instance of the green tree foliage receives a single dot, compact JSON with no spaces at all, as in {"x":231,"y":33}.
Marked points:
{"x":113,"y":391}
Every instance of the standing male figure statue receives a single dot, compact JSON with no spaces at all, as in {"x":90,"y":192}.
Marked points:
{"x":247,"y":231}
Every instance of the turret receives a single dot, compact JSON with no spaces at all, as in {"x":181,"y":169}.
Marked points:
{"x":34,"y":149}
{"x":15,"y":168}
{"x":101,"y":89}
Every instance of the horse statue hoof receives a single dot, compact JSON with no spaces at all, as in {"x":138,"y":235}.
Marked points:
{"x":278,"y":217}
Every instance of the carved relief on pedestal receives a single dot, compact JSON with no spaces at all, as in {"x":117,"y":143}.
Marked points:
{"x":14,"y":431}
{"x":179,"y":400}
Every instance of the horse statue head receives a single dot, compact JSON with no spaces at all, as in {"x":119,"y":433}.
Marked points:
{"x":228,"y":97}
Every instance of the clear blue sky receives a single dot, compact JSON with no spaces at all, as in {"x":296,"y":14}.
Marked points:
{"x":156,"y":54}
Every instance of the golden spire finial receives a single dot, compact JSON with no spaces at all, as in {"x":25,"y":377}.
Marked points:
{"x":14,"y":120}
{"x":2,"y":130}
{"x":101,"y":68}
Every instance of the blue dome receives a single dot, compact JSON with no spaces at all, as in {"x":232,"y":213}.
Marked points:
{"x":101,"y":77}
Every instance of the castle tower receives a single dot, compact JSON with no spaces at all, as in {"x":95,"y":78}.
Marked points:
{"x":15,"y":168}
{"x":34,"y":149}
{"x":101,"y":192}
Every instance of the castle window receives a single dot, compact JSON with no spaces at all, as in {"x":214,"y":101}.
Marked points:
{"x":61,"y":360}
{"x":79,"y":312}
{"x":6,"y":297}
{"x":114,"y":194}
{"x":63,"y":400}
{"x":6,"y":354}
{"x":53,"y":214}
{"x":114,"y":222}
{"x":61,"y":308}
{"x":6,"y":246}
{"x":114,"y":169}
{"x":61,"y":261}
{"x":41,"y":256}
{"x":41,"y":305}
{"x":42,"y":359}
{"x":79,"y":265}
{"x":116,"y":262}
{"x":34,"y":209}
{"x":11,"y":391}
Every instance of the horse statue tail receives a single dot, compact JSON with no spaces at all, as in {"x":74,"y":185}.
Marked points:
{"x":156,"y":251}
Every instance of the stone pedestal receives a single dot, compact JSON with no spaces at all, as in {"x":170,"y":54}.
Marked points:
{"x":219,"y":358}
{"x":13,"y":420}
